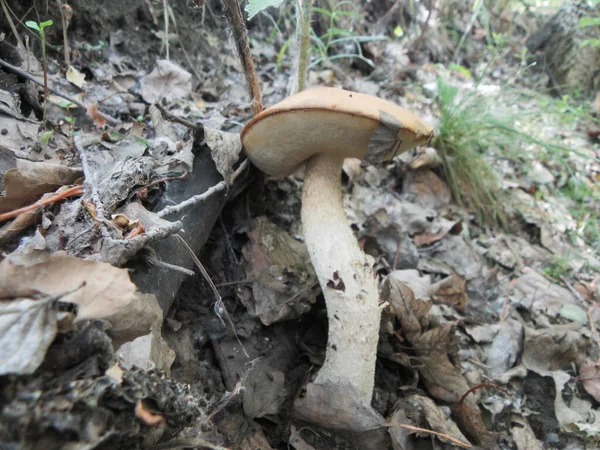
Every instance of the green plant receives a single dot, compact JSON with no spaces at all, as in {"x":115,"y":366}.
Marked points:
{"x":337,"y":36}
{"x":39,"y":27}
{"x":585,"y":22}
{"x":466,"y":126}
{"x":557,"y":267}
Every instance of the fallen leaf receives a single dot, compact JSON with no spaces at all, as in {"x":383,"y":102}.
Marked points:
{"x":168,"y":81}
{"x":589,"y":374}
{"x":92,"y":111}
{"x":296,"y":440}
{"x":27,"y":328}
{"x":451,"y":291}
{"x":533,"y":291}
{"x":146,"y":416}
{"x":108,"y":292}
{"x":75,"y":77}
{"x":115,"y":372}
{"x":428,"y":189}
{"x":29,"y":180}
{"x":554,"y":348}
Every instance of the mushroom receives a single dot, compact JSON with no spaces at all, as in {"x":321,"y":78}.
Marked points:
{"x":321,"y":127}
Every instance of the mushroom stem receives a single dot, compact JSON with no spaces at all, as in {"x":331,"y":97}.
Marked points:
{"x":346,"y":276}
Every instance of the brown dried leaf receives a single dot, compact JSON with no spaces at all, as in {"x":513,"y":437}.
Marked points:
{"x":411,"y":313}
{"x":28,"y":181}
{"x":452,"y":291}
{"x":75,"y":77}
{"x":168,"y":81}
{"x":589,"y":373}
{"x":108,"y":293}
{"x":427,"y":187}
{"x":280,"y":270}
{"x":438,"y":420}
{"x":92,"y":111}
{"x":554,"y":348}
{"x":27,"y":328}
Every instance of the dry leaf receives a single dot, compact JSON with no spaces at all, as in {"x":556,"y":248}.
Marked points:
{"x":146,"y":416}
{"x":29,"y":180}
{"x":589,"y":374}
{"x":108,"y":293}
{"x":75,"y":77}
{"x":451,"y":291}
{"x":225,"y":150}
{"x":92,"y":111}
{"x":168,"y":81}
{"x":27,"y":328}
{"x":428,"y":189}
{"x":554,"y":348}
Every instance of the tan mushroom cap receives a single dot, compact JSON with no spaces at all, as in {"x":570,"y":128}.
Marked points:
{"x":330,"y":120}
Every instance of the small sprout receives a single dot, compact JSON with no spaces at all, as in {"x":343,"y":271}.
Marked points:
{"x":45,"y":137}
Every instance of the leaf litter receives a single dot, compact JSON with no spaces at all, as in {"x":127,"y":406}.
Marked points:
{"x":466,"y":307}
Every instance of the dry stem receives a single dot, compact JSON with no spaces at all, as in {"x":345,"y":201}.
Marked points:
{"x":233,"y":14}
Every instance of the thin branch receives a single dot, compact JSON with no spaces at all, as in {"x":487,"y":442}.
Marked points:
{"x":221,"y":186}
{"x":71,"y":192}
{"x":233,"y":14}
{"x":73,"y":100}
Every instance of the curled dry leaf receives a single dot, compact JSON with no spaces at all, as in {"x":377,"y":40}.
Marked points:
{"x":168,"y":81}
{"x":74,"y":76}
{"x":146,"y":416}
{"x":554,"y":348}
{"x":451,"y":291}
{"x":92,"y":111}
{"x":589,"y":374}
{"x":27,"y":328}
{"x":428,"y":189}
{"x":25,"y":183}
{"x":108,"y":292}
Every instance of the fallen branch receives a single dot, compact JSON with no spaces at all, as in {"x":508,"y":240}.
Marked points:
{"x":118,"y":251}
{"x":71,"y":192}
{"x":22,"y":73}
{"x":220,"y":186}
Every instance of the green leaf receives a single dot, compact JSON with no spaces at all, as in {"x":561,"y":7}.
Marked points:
{"x":45,"y":24}
{"x":589,"y":21}
{"x":45,"y":137}
{"x":398,"y":31}
{"x":142,"y":141}
{"x":33,"y":25}
{"x":253,"y":7}
{"x":460,"y":69}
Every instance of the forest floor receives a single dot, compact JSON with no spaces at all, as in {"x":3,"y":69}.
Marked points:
{"x":112,"y":336}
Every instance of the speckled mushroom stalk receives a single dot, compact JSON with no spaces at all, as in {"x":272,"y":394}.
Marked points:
{"x":322,"y":127}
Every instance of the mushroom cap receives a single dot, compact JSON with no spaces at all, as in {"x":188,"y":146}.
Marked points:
{"x":331,"y":120}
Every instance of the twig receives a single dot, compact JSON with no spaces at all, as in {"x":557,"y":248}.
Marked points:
{"x":71,"y":192}
{"x":90,"y":180}
{"x":118,"y":251}
{"x":221,"y":186}
{"x":164,"y":265}
{"x":173,"y":117}
{"x":11,"y":24}
{"x":73,"y":100}
{"x":220,"y":309}
{"x":194,"y":200}
{"x":233,"y":14}
{"x":66,"y":14}
{"x":479,"y":386}
{"x":166,"y":16}
{"x":442,"y":435}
